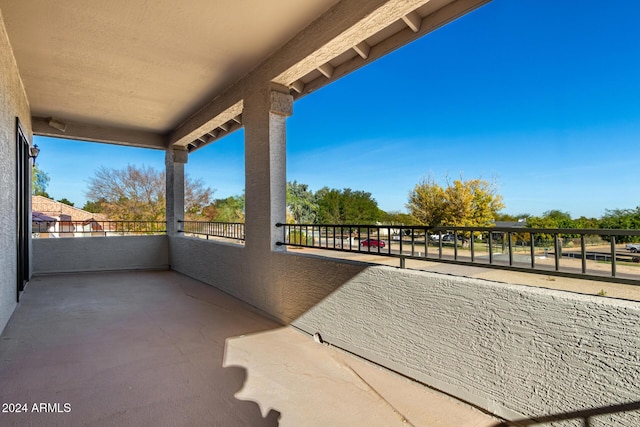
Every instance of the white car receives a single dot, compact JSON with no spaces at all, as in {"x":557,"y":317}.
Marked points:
{"x":633,"y":247}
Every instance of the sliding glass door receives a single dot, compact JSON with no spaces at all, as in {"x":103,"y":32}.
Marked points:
{"x":23,"y":195}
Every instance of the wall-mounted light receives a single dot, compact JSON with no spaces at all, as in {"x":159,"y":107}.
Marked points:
{"x":33,"y":152}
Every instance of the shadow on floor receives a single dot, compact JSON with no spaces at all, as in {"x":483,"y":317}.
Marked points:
{"x":238,"y":377}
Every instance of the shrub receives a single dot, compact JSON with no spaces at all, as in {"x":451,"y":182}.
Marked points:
{"x":298,"y":237}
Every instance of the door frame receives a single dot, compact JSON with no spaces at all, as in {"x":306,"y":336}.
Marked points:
{"x":23,"y":208}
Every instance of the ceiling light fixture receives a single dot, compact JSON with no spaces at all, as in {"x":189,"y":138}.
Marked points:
{"x":62,"y":127}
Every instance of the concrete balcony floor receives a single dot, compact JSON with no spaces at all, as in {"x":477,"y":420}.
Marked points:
{"x":158,"y":348}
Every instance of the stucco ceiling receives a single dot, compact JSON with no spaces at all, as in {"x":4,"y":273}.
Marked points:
{"x":144,"y":64}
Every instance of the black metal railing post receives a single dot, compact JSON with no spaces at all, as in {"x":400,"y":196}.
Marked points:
{"x":471,"y":246}
{"x":583,"y":253}
{"x":613,"y":256}
{"x":532,"y":244}
{"x":556,"y":250}
{"x":510,"y":246}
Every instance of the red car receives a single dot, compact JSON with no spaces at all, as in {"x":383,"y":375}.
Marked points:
{"x":373,"y":242}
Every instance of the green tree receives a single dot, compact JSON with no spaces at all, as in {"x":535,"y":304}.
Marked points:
{"x":560,"y":218}
{"x":399,"y":218}
{"x":541,"y":222}
{"x":347,"y":207}
{"x":511,"y":218}
{"x":472,"y":203}
{"x":66,"y":201}
{"x":301,"y":203}
{"x":360,"y":207}
{"x":230,"y":209}
{"x":94,"y":207}
{"x":329,"y":206}
{"x":40,"y":181}
{"x":557,"y":219}
{"x":622,"y":219}
{"x":138,"y":193}
{"x":584,"y":222}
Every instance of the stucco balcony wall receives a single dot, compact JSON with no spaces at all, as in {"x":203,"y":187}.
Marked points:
{"x":13,"y":104}
{"x":516,"y":351}
{"x":67,"y":255}
{"x":289,"y":285}
{"x":221,"y":265}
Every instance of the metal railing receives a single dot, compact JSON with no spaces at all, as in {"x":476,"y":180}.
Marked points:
{"x":229,"y":230}
{"x":579,"y":253}
{"x":94,"y":228}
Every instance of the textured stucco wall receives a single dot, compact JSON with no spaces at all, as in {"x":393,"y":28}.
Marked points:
{"x":74,"y":254}
{"x":229,"y":267}
{"x":219,"y":264}
{"x":288,"y":286}
{"x":13,"y":103}
{"x":516,"y":351}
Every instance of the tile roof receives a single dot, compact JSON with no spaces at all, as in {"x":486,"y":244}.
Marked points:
{"x":50,"y":208}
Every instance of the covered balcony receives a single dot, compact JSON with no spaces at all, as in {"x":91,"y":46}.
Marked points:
{"x":175,"y":330}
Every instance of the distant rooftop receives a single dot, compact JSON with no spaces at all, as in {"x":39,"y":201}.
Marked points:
{"x":45,"y":207}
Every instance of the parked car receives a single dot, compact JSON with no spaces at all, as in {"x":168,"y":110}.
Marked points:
{"x":448,"y":238}
{"x":633,"y":247}
{"x":373,"y":243}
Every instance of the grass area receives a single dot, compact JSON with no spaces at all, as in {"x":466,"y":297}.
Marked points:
{"x":621,"y":263}
{"x":478,"y":247}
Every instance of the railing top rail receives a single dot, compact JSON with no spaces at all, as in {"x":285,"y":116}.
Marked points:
{"x":228,"y":230}
{"x":98,"y":221}
{"x":93,"y":228}
{"x":209,"y":222}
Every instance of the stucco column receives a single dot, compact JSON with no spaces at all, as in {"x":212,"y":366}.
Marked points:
{"x":175,"y":159}
{"x":264,"y":117}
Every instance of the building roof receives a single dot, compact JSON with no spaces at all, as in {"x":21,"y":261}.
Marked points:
{"x":45,"y":207}
{"x":164,"y":73}
{"x":40,"y":217}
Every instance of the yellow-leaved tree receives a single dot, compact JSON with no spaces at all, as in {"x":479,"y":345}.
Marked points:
{"x":471,"y":203}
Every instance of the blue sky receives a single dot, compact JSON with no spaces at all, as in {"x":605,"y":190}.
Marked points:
{"x":541,"y":96}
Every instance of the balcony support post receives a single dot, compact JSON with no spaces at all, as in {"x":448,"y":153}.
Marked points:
{"x":175,"y":159}
{"x":265,"y":115}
